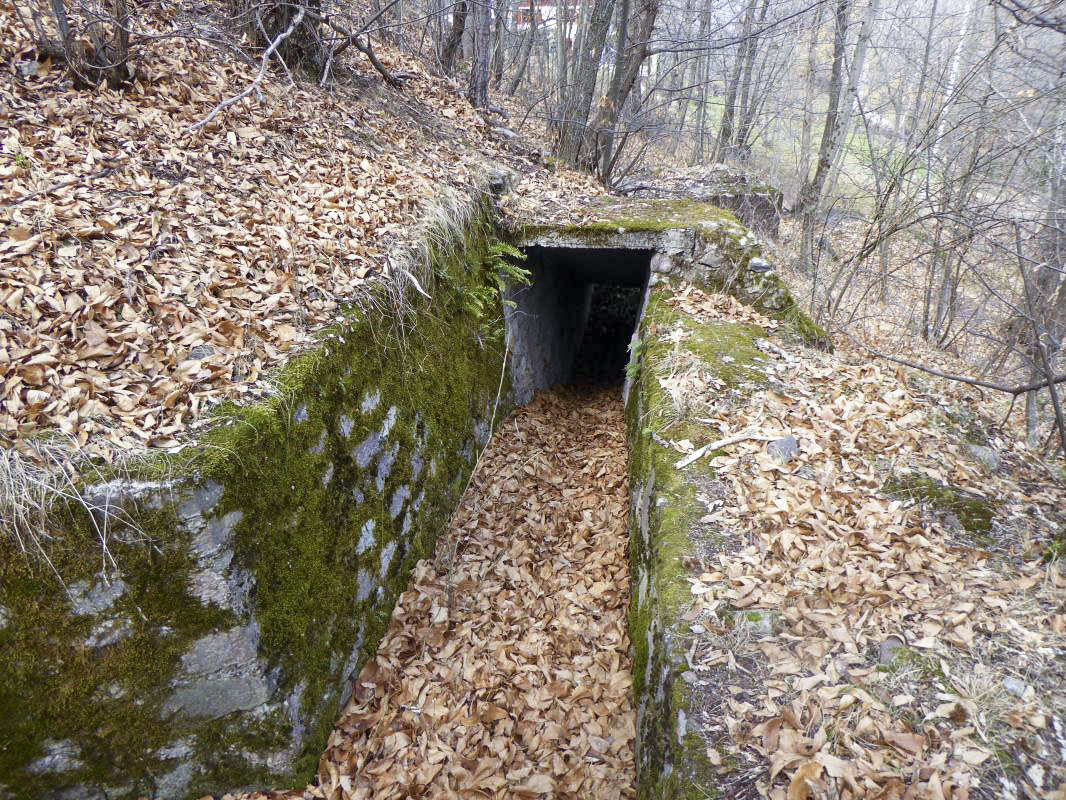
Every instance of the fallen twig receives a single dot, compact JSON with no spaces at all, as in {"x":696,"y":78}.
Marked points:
{"x":258,"y":78}
{"x":698,"y":454}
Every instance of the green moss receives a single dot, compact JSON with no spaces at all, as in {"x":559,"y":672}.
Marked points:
{"x":1055,"y":550}
{"x":636,"y":216}
{"x":924,"y":667}
{"x":54,"y":687}
{"x":974,"y":513}
{"x":658,"y":632}
{"x":809,"y":331}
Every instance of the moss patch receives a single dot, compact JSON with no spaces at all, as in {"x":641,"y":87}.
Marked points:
{"x":672,"y":760}
{"x":974,"y":513}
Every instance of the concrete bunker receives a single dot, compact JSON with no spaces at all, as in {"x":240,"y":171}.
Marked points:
{"x":574,"y":322}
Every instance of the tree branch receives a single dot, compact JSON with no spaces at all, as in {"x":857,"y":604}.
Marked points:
{"x":258,"y":78}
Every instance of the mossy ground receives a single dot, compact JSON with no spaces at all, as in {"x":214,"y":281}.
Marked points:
{"x":974,"y":513}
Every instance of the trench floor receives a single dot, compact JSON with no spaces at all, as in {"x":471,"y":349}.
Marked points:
{"x":505,"y":670}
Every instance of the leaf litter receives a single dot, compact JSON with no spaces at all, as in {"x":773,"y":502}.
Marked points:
{"x":852,"y":643}
{"x":505,"y":670}
{"x":149,"y":271}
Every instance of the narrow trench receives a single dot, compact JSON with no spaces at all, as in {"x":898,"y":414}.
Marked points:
{"x":505,"y":670}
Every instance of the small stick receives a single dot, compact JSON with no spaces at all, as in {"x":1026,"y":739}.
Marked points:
{"x":696,"y":456}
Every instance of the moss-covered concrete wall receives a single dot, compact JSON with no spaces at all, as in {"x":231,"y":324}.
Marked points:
{"x":247,"y":579}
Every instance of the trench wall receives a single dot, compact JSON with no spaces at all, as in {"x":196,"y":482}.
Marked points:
{"x":255,"y":573}
{"x":546,"y":323}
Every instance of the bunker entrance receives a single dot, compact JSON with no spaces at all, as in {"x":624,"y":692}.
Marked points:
{"x":573,"y":324}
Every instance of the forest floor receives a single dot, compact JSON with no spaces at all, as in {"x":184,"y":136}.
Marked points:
{"x":150,"y":268}
{"x":505,"y":671}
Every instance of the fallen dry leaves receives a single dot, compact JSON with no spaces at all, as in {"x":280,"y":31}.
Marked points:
{"x":147,"y":270}
{"x":812,"y":708}
{"x":508,"y":675}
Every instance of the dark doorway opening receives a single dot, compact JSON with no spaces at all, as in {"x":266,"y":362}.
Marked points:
{"x":603,"y":353}
{"x":575,"y":322}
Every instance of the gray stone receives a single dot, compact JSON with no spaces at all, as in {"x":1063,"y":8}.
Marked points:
{"x":370,"y":401}
{"x":386,"y":558}
{"x":759,"y":623}
{"x":60,"y":755}
{"x":301,"y":414}
{"x":385,"y":466}
{"x":390,"y":420}
{"x":399,"y":497}
{"x":890,"y":648}
{"x":498,"y":131}
{"x":81,"y":792}
{"x":216,"y":535}
{"x":417,"y":504}
{"x":233,"y":648}
{"x":216,"y":697}
{"x":783,"y":450}
{"x":319,"y":446}
{"x":416,"y":464}
{"x":366,"y":586}
{"x":174,"y":784}
{"x":202,"y":500}
{"x":345,"y":424}
{"x":28,"y":69}
{"x":181,"y":748}
{"x":221,"y":674}
{"x":1015,"y":686}
{"x":108,"y":632}
{"x":367,"y":449}
{"x":985,"y":456}
{"x":758,"y":264}
{"x":366,"y":537}
{"x":327,"y":476}
{"x":5,"y":616}
{"x":482,"y":432}
{"x":86,"y":599}
{"x":216,"y":581}
{"x":201,"y":351}
{"x":408,"y":522}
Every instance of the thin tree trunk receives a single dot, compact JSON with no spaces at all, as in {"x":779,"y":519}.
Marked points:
{"x":575,"y":114}
{"x":498,"y":37}
{"x":478,"y":91}
{"x":450,"y":48}
{"x":851,"y":99}
{"x":804,"y":170}
{"x":527,"y":48}
{"x":811,"y":192}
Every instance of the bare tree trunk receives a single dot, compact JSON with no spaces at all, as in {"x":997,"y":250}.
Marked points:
{"x":729,"y":107}
{"x":450,"y":49}
{"x":811,"y":192}
{"x":478,"y":90}
{"x":527,"y":48}
{"x":575,"y":112}
{"x":808,"y":101}
{"x":851,"y":99}
{"x":745,"y":103}
{"x":635,"y":54}
{"x":498,"y":42}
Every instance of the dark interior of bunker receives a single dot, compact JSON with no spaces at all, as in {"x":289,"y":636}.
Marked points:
{"x":574,"y":323}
